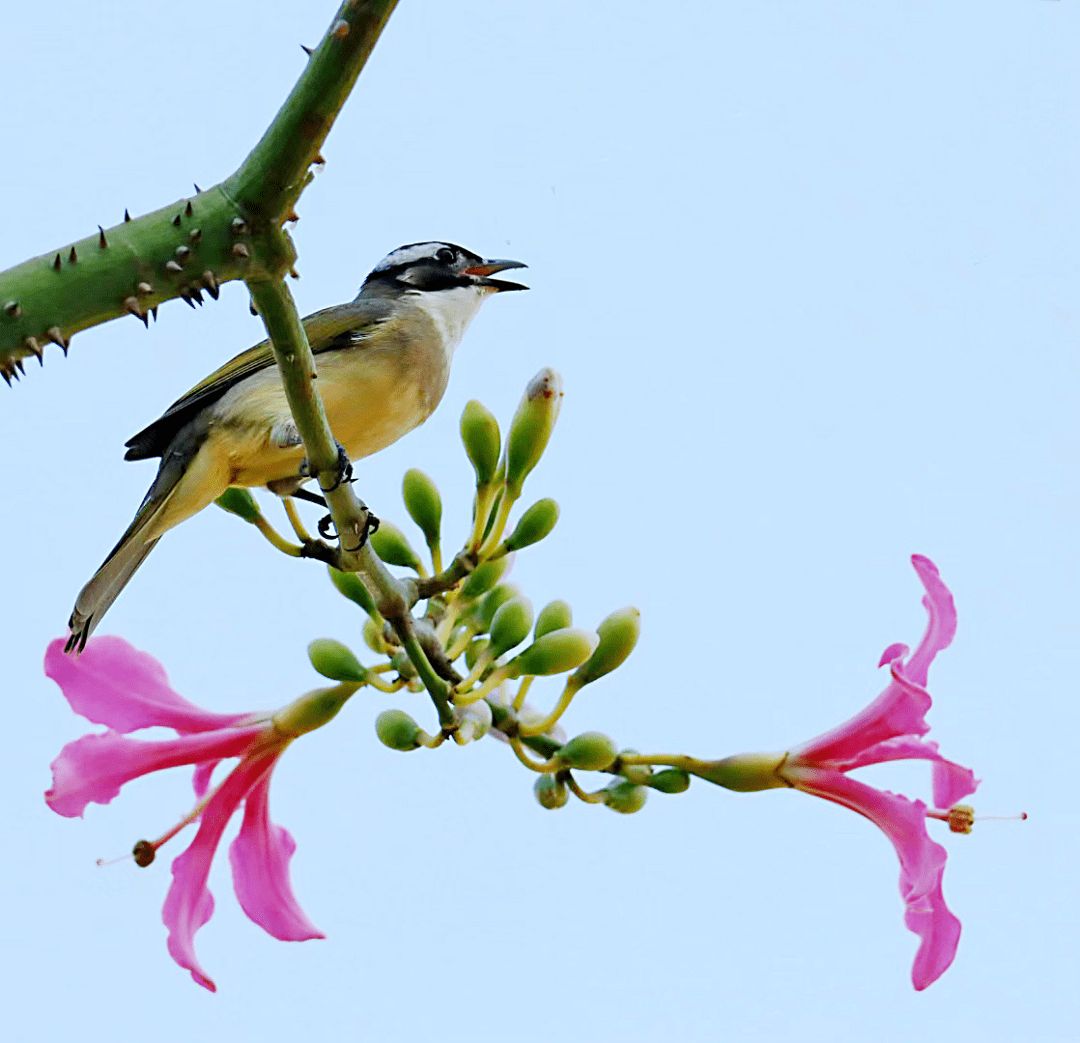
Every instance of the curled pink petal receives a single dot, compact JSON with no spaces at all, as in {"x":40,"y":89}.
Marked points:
{"x":939,"y":933}
{"x":952,"y":782}
{"x":189,"y":904}
{"x":114,"y":684}
{"x":94,"y":767}
{"x":922,"y":863}
{"x":260,"y":857}
{"x":941,"y":628}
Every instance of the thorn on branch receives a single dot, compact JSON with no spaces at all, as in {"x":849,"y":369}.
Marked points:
{"x":32,"y":346}
{"x":131,"y":304}
{"x":176,"y":221}
{"x":307,"y":50}
{"x":238,"y":226}
{"x":189,"y":209}
{"x":102,"y":241}
{"x":194,"y":235}
{"x":172,"y":267}
{"x":209,"y":280}
{"x":56,"y":263}
{"x":340,"y":29}
{"x":183,"y":253}
{"x":241,"y":252}
{"x":144,"y":288}
{"x":13,"y":309}
{"x":153,"y":311}
{"x":198,"y":191}
{"x":73,"y":256}
{"x":127,"y":216}
{"x":54,"y":336}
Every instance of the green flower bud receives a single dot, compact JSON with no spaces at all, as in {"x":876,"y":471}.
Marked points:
{"x":480,"y":435}
{"x":423,"y":503}
{"x":396,"y":729}
{"x":625,"y":798}
{"x":531,"y":427}
{"x":534,"y":524}
{"x":352,"y":586}
{"x":373,"y":637}
{"x":635,"y":773}
{"x":492,"y":602}
{"x":332,"y":659}
{"x":401,"y":662}
{"x":510,"y":625}
{"x":589,"y":751}
{"x":618,"y":635}
{"x":556,"y":615}
{"x":670,"y":780}
{"x":745,"y":772}
{"x":485,"y":576}
{"x":391,"y":544}
{"x":312,"y":710}
{"x":551,"y":792}
{"x":473,"y":651}
{"x":239,"y":502}
{"x":554,"y":653}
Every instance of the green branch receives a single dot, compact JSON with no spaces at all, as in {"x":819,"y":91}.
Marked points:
{"x":192,"y":246}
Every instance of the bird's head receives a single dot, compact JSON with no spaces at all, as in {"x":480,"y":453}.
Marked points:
{"x":432,"y":267}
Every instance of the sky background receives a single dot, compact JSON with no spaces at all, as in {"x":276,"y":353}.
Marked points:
{"x":809,"y":272}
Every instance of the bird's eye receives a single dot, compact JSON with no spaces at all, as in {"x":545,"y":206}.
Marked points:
{"x":445,"y":255}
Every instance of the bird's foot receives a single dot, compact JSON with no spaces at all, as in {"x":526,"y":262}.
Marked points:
{"x":344,"y":469}
{"x":370,"y":526}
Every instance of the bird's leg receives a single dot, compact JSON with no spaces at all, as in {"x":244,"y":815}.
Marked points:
{"x":371,"y":525}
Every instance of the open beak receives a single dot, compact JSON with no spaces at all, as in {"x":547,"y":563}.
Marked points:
{"x":488,"y":268}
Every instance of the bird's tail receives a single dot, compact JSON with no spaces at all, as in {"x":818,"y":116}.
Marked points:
{"x":105,"y":585}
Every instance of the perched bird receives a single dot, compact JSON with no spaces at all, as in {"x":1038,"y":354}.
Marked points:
{"x":383,"y":362}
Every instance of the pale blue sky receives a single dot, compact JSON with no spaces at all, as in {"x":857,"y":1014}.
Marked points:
{"x":809,"y":271}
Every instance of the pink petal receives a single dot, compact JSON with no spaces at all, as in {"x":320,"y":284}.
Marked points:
{"x":901,"y":708}
{"x":114,"y":684}
{"x":200,"y":781}
{"x":94,"y":767}
{"x":922,"y":861}
{"x":939,"y":930}
{"x":952,"y":782}
{"x":260,"y":857}
{"x":189,"y":904}
{"x":941,"y":628}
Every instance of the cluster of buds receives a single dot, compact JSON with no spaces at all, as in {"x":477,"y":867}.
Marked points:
{"x":479,"y":631}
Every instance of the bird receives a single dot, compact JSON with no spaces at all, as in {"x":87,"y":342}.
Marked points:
{"x":383,"y":362}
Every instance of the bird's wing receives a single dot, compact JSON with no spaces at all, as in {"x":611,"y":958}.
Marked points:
{"x":345,"y":325}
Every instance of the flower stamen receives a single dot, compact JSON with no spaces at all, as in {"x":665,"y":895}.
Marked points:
{"x":961,"y":817}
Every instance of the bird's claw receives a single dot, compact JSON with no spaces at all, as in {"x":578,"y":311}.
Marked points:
{"x":344,"y":469}
{"x":370,"y":525}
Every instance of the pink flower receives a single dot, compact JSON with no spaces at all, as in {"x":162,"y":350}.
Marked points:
{"x":113,"y":684}
{"x":890,"y":728}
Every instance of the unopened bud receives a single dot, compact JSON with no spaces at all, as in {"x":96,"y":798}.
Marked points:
{"x":391,"y":544}
{"x":352,"y":586}
{"x":492,"y":601}
{"x":239,"y":502}
{"x":473,"y":651}
{"x":373,"y":637}
{"x":745,"y":772}
{"x":396,"y":729}
{"x":334,"y":660}
{"x":589,"y":751}
{"x":401,"y":662}
{"x":510,"y":625}
{"x":670,"y":780}
{"x":480,"y":435}
{"x":423,"y":503}
{"x":485,"y":576}
{"x":551,"y":792}
{"x":554,"y":653}
{"x":534,"y":524}
{"x":531,"y":427}
{"x":618,"y":635}
{"x":636,"y":773}
{"x":555,"y":615}
{"x":625,"y":798}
